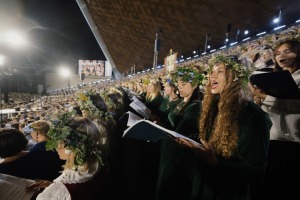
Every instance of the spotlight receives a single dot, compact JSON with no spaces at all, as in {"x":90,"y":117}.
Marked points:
{"x":246,"y":32}
{"x":208,"y":46}
{"x":276,"y":20}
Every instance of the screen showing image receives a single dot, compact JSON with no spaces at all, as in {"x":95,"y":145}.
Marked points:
{"x":92,"y":67}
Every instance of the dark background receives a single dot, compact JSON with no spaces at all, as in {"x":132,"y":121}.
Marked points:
{"x":57,"y":35}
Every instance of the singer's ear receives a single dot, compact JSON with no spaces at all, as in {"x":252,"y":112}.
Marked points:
{"x":67,"y":151}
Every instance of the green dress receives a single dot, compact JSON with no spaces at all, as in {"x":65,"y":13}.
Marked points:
{"x":165,"y":107}
{"x":153,"y":104}
{"x":175,"y":177}
{"x":232,"y":179}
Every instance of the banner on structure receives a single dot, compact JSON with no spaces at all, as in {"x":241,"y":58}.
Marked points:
{"x":170,"y":62}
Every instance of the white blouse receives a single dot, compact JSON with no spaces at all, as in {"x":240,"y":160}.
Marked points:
{"x":58,"y":191}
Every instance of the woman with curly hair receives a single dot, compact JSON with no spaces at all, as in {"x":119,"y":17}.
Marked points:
{"x":234,"y":134}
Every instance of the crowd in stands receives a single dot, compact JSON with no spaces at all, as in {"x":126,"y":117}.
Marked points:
{"x":72,"y":141}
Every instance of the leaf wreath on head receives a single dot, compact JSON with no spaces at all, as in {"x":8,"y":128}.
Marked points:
{"x":168,"y":78}
{"x":83,"y":148}
{"x":86,"y":104}
{"x":113,"y":98}
{"x":239,"y":71}
{"x":188,"y":74}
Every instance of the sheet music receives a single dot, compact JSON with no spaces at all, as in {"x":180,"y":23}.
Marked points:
{"x":141,"y":105}
{"x":139,"y":110}
{"x":13,"y":188}
{"x":132,"y":118}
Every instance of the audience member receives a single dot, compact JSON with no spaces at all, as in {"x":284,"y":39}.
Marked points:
{"x":18,"y":162}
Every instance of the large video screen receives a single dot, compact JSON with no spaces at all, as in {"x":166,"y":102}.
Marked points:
{"x":92,"y":67}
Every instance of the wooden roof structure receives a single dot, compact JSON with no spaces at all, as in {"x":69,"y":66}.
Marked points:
{"x":128,"y":27}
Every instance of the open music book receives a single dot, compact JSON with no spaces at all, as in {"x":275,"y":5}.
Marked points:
{"x":150,"y":131}
{"x":140,"y":107}
{"x":132,"y":118}
{"x":13,"y":188}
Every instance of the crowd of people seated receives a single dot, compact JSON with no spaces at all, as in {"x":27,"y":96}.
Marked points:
{"x":248,"y":141}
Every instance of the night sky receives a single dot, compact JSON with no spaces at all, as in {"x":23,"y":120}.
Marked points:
{"x":56,"y":31}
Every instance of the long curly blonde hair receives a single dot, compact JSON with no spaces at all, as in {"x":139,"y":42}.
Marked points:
{"x":218,"y":123}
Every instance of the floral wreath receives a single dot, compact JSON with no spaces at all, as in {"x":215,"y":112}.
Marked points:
{"x":85,"y":103}
{"x":240,"y":71}
{"x":188,"y":74}
{"x":110,"y":103}
{"x":80,"y":144}
{"x":168,"y":78}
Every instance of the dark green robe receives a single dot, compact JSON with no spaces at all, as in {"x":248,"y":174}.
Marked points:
{"x":165,"y":108}
{"x":233,"y":178}
{"x":175,"y":177}
{"x":154,"y":103}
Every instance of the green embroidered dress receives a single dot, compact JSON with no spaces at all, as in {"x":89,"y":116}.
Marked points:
{"x":165,"y":108}
{"x":175,"y":177}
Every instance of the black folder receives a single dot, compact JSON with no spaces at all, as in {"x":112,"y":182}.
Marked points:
{"x":150,"y":131}
{"x":277,"y":84}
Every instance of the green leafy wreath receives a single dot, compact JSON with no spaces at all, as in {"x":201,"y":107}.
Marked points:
{"x":188,"y":74}
{"x":84,"y":148}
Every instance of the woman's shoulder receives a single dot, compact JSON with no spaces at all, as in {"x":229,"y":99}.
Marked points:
{"x":253,"y":111}
{"x":159,"y":97}
{"x":251,"y":107}
{"x":195,"y":103}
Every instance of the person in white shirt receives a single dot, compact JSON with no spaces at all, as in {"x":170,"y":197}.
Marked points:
{"x":283,"y":177}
